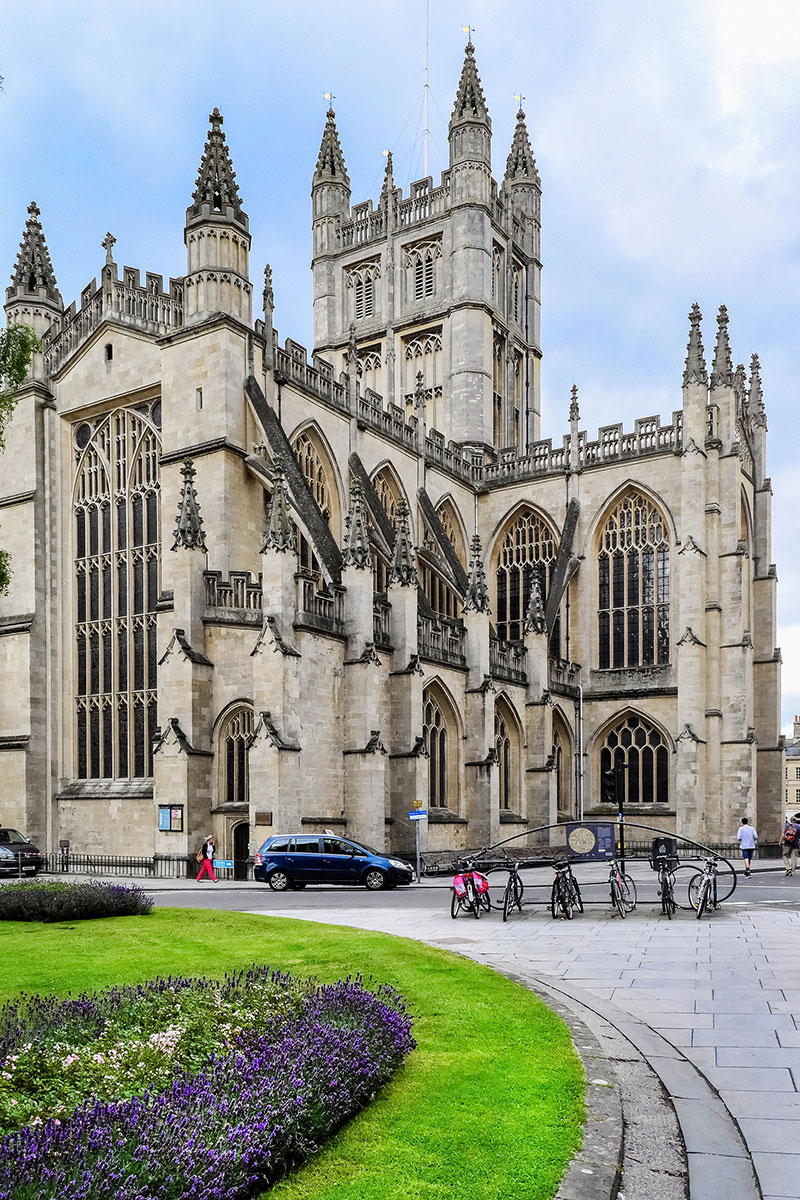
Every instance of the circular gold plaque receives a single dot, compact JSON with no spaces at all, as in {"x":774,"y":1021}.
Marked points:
{"x":581,"y":841}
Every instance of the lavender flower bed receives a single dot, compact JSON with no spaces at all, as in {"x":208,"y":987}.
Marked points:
{"x":56,"y":901}
{"x":231,"y":1129}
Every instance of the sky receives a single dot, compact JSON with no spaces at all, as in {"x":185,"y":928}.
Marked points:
{"x":667,"y":135}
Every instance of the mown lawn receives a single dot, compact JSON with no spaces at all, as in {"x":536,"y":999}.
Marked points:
{"x":489,"y":1105}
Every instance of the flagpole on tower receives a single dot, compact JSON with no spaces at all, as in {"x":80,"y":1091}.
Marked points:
{"x":427,"y":85}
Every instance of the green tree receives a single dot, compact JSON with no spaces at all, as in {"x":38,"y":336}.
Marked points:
{"x":17,"y":346}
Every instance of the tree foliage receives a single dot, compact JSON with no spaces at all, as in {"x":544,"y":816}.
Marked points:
{"x":18,"y":343}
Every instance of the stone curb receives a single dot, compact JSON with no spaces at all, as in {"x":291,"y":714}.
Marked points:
{"x":718,"y":1159}
{"x":594,"y":1172}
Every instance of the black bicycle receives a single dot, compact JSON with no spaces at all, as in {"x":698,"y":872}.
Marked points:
{"x":666,"y":885}
{"x":565,"y":896}
{"x":514,"y":891}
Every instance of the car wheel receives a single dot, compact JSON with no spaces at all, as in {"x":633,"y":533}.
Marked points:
{"x":279,"y":881}
{"x":375,"y":880}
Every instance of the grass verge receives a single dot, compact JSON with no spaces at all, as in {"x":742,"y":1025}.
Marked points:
{"x":489,"y":1105}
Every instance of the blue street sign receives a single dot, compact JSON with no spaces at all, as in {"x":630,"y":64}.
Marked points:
{"x":418,"y":815}
{"x":223,"y":862}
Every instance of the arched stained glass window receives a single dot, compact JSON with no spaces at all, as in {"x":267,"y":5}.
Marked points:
{"x":234,"y":739}
{"x":505,"y":759}
{"x":310,"y":462}
{"x":117,"y":563}
{"x":636,"y":745}
{"x":633,"y":585}
{"x":434,"y":732}
{"x":527,"y":549}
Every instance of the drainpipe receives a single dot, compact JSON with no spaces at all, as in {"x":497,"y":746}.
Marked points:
{"x":579,"y":707}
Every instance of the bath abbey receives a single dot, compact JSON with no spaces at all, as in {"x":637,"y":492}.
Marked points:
{"x":259,"y":588}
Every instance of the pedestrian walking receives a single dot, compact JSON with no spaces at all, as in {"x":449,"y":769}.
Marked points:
{"x":790,"y":843}
{"x":747,"y":838}
{"x":206,"y":855}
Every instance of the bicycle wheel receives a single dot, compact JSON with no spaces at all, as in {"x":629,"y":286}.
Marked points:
{"x":554,"y":899}
{"x":628,"y":893}
{"x":565,"y":901}
{"x":508,"y":898}
{"x":455,"y":904}
{"x":473,"y":901}
{"x":485,"y":902}
{"x":726,"y":880}
{"x":577,"y":892}
{"x":617,"y":900}
{"x":694,"y":888}
{"x":668,"y":904}
{"x":703,"y":897}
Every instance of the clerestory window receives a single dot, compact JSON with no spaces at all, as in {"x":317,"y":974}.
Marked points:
{"x":633,"y":585}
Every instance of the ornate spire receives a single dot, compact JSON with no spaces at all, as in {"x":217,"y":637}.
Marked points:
{"x":33,"y":269}
{"x":352,"y":351}
{"x":477,"y":594}
{"x":520,"y":164}
{"x":470,"y":102}
{"x":695,"y":370}
{"x":574,"y":410}
{"x":402,"y":570}
{"x":755,"y":397}
{"x":740,"y":387}
{"x":216,"y":188}
{"x":388,"y":181}
{"x":268,"y":295}
{"x":722,"y":371}
{"x":331,"y":166}
{"x":534,"y":613}
{"x":356,"y":551}
{"x":280,"y":534}
{"x":189,"y":533}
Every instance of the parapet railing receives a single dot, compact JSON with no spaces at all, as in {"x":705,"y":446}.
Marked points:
{"x":507,"y":660}
{"x":239,"y":591}
{"x":441,"y":641}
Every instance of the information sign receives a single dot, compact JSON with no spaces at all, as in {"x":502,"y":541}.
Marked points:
{"x":223,"y":862}
{"x":592,"y":841}
{"x":418,"y":814}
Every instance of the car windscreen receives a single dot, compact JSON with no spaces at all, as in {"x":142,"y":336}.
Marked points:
{"x":13,"y":836}
{"x":362,"y":848}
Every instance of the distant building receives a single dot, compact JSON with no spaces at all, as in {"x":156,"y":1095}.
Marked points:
{"x":256,"y":593}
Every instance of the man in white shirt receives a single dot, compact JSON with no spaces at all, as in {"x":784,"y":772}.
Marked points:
{"x":747,"y":838}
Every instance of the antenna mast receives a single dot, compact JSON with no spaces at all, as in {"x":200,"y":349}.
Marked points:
{"x":427,"y":86}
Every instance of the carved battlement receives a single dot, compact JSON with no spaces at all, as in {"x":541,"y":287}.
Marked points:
{"x":124,"y":301}
{"x":240,"y":591}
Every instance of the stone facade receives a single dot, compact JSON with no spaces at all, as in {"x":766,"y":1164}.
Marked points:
{"x":255,"y":593}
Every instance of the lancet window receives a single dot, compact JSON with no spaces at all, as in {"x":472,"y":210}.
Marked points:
{"x":421,"y":263}
{"x":389,"y":495}
{"x":636,"y":745}
{"x":423,"y":355}
{"x":361,"y":280}
{"x":117,"y":564}
{"x":234,"y":739}
{"x":369,"y":362}
{"x":310,"y":463}
{"x":526,"y":551}
{"x":633,"y":585}
{"x":434,"y":732}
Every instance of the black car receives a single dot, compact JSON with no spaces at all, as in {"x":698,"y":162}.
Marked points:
{"x":18,"y":856}
{"x":293,"y":861}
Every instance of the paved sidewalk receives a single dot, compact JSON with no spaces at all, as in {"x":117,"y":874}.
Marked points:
{"x":721,"y":994}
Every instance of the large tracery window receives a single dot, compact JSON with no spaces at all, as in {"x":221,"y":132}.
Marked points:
{"x":117,"y":555}
{"x":640,"y":749}
{"x":310,"y":463}
{"x":633,"y":578}
{"x":527,"y":550}
{"x":234,"y":739}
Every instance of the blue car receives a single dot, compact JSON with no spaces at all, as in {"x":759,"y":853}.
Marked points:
{"x":294,"y":861}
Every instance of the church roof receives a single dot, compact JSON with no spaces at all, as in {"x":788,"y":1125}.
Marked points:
{"x":331,"y":167}
{"x":216,"y":185}
{"x":33,"y":265}
{"x":520,"y":164}
{"x":470,"y":102}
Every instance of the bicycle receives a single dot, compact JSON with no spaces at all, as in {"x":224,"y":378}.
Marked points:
{"x":470,"y":891}
{"x":566,"y":895}
{"x":666,"y":885}
{"x":623,"y":889}
{"x":514,"y":891}
{"x":703,"y":889}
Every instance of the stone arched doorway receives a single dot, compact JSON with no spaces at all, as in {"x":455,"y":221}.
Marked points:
{"x":241,"y":849}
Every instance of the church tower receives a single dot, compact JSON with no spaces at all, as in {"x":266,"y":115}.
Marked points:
{"x":217,"y":237}
{"x":330,"y":204}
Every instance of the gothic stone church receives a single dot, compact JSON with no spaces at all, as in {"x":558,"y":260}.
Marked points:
{"x":257,"y":590}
